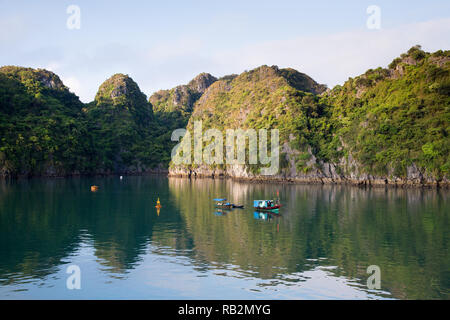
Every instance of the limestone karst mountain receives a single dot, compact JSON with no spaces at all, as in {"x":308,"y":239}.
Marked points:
{"x":387,"y":126}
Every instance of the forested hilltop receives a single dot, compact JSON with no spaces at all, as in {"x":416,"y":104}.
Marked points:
{"x":387,"y":126}
{"x":46,"y":131}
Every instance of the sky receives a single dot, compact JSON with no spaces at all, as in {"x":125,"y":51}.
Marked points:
{"x":162,"y":44}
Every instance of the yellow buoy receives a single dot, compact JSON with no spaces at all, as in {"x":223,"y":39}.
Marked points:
{"x":158,"y":204}
{"x":94,"y":188}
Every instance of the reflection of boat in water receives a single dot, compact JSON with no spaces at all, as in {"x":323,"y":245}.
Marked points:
{"x":223,"y":204}
{"x":259,"y":215}
{"x":220,"y":212}
{"x":266,"y":205}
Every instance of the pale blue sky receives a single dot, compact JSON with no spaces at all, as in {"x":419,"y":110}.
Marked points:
{"x":165,"y":43}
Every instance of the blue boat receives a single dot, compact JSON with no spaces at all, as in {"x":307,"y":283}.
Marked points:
{"x":224,"y":204}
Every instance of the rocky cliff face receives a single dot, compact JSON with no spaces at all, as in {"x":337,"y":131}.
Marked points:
{"x":183,"y":97}
{"x":323,"y":173}
{"x":201,"y":82}
{"x":122,"y":92}
{"x":374,"y":130}
{"x":265,"y":97}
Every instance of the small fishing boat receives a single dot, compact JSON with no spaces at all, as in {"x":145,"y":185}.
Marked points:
{"x":266,"y":205}
{"x":224,"y":204}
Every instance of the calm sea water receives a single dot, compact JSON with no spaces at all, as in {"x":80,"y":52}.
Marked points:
{"x":318,"y":247}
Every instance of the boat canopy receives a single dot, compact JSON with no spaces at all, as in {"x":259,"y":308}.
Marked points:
{"x":224,"y":199}
{"x":261,"y":203}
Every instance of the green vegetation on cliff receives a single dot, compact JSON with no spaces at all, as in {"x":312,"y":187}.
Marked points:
{"x":42,"y":126}
{"x":174,"y":107}
{"x":388,"y":123}
{"x":267,"y":98}
{"x":390,"y":119}
{"x":122,"y":126}
{"x":46,"y":130}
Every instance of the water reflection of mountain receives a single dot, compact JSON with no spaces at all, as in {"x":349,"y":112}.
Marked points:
{"x":352,"y":228}
{"x":34,"y":235}
{"x":44,"y":222}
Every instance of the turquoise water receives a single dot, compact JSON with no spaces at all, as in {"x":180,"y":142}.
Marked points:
{"x":318,"y":247}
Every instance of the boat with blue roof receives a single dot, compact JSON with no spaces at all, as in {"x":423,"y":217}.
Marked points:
{"x":224,"y":204}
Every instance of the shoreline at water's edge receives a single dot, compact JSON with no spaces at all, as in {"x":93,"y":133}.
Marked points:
{"x":74,"y":175}
{"x":378,"y":183}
